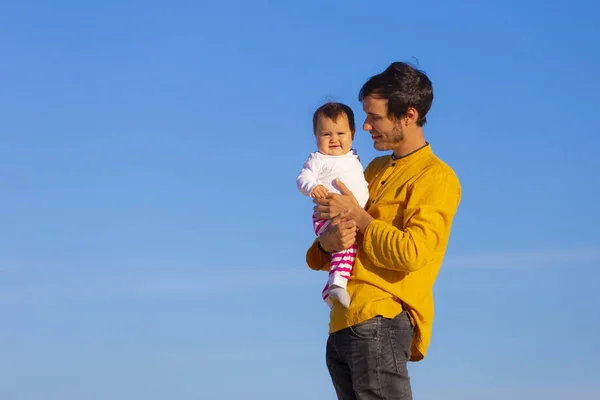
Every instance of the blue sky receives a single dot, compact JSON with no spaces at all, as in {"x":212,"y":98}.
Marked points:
{"x":154,"y":239}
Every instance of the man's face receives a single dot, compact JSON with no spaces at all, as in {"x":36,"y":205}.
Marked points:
{"x":386,"y":133}
{"x":334,"y":138}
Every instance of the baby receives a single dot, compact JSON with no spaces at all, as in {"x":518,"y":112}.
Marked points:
{"x":333,"y":126}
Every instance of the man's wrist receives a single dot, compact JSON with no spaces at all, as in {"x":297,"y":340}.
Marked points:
{"x":321,"y":248}
{"x":363,"y":219}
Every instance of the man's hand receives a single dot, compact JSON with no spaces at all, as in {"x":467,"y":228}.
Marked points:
{"x":334,"y":204}
{"x":319,"y":192}
{"x":340,"y":234}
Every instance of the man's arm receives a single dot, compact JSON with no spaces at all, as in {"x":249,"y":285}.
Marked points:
{"x":429,"y":212}
{"x":340,"y":235}
{"x":316,"y":259}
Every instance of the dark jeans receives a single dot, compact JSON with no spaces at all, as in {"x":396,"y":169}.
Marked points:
{"x":368,"y":361}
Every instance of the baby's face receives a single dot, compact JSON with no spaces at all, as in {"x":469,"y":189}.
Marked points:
{"x":334,"y":138}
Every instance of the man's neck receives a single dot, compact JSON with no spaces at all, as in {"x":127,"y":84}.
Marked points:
{"x":411,"y":143}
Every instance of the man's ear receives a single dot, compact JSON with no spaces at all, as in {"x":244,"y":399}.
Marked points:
{"x":411,"y":116}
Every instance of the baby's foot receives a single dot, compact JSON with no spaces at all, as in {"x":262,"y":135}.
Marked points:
{"x":340,"y":294}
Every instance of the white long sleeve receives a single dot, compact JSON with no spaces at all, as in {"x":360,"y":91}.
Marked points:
{"x":320,"y":169}
{"x":308,"y":178}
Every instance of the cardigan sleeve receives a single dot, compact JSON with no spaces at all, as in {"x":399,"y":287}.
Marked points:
{"x":316,"y":259}
{"x":430,"y":209}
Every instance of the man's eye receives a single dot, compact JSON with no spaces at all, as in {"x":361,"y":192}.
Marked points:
{"x":341,"y":133}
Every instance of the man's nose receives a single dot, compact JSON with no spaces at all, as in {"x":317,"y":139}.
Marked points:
{"x":367,"y":126}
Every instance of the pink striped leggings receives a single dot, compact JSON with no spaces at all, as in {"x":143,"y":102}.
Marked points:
{"x":341,"y":262}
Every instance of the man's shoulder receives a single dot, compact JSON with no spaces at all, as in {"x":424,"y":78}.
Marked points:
{"x":375,"y":165}
{"x":438,"y":172}
{"x":435,"y":165}
{"x":380,"y":159}
{"x":378,"y":162}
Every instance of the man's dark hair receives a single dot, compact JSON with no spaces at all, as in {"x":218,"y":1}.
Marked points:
{"x":403,"y":86}
{"x":332,"y":111}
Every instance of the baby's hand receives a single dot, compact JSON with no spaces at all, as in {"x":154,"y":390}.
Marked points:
{"x":319,"y":192}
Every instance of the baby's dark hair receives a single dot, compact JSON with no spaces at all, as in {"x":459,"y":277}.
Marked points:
{"x":333,"y":110}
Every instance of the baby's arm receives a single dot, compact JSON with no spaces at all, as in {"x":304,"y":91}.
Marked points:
{"x":307,"y":179}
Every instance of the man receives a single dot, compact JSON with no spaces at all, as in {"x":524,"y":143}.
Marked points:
{"x":401,"y":234}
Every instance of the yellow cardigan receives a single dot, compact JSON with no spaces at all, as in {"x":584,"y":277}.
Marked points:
{"x":413,"y":200}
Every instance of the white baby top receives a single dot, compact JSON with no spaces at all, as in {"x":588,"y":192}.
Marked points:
{"x":321,"y":169}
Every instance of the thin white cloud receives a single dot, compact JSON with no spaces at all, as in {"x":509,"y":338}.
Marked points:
{"x":152,"y":285}
{"x":547,"y":392}
{"x":518,"y":259}
{"x":209,"y":284}
{"x":249,"y":280}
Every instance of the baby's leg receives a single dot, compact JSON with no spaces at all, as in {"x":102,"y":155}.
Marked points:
{"x":341,"y":267}
{"x":325,"y":294}
{"x":320,"y":225}
{"x":340,"y":294}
